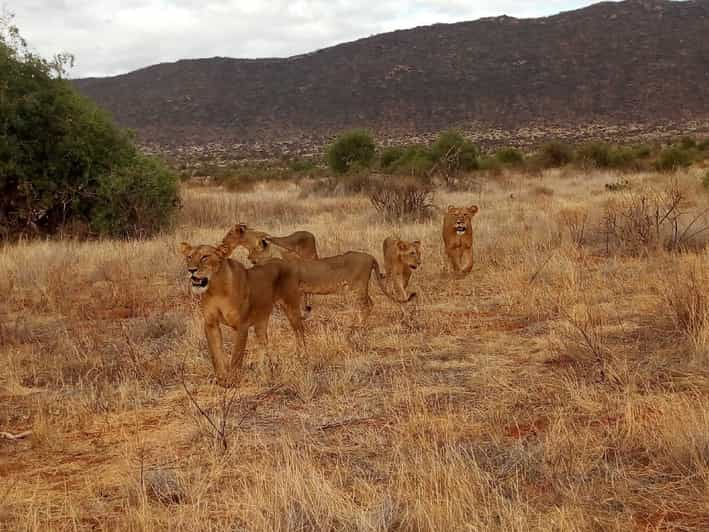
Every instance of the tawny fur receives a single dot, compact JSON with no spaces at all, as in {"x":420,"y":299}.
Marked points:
{"x":458,"y":238}
{"x":240,"y":298}
{"x":401,"y":258}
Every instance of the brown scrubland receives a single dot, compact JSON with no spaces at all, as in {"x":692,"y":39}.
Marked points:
{"x":562,"y":385}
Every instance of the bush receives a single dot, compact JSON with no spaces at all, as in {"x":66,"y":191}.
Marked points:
{"x":416,"y":161}
{"x":602,"y":155}
{"x":402,"y":200}
{"x":673,"y":158}
{"x":389,"y":157}
{"x":452,"y":153}
{"x":59,"y":154}
{"x":555,"y":154}
{"x":687,"y":143}
{"x":510,"y":156}
{"x":354,"y":148}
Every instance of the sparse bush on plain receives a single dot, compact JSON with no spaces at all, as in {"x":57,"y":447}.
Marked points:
{"x":555,"y":154}
{"x":402,"y":199}
{"x":673,"y":158}
{"x":510,"y":156}
{"x":351,"y":149}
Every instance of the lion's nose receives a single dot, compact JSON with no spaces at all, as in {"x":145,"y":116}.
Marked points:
{"x":191,"y":270}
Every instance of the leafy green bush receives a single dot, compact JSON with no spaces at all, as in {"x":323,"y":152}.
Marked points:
{"x":452,"y":153}
{"x":602,"y":155}
{"x":673,"y":158}
{"x":390,"y":156}
{"x":510,"y":156}
{"x":416,"y":161}
{"x":555,"y":154}
{"x":354,"y":148}
{"x":59,"y":156}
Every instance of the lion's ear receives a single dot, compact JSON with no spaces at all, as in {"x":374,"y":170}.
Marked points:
{"x":224,"y":250}
{"x":416,"y":244}
{"x":473,"y":209}
{"x":265,"y":242}
{"x":451,"y":208}
{"x":185,"y":248}
{"x":241,"y":228}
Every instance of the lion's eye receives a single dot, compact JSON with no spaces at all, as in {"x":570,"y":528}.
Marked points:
{"x":204,"y":259}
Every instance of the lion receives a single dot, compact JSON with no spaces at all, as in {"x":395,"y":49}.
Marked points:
{"x":298,"y":245}
{"x":458,"y":237}
{"x":401,"y":258}
{"x":329,"y":275}
{"x":240,"y":298}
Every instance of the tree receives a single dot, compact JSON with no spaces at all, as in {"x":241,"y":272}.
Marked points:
{"x":62,"y":160}
{"x":351,"y":150}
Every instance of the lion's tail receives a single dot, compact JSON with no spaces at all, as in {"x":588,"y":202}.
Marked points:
{"x":380,"y":281}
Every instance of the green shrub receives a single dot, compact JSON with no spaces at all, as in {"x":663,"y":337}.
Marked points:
{"x":687,"y":143}
{"x":59,"y":154}
{"x":352,"y":148}
{"x":490,"y":164}
{"x":510,"y":156}
{"x":135,"y":198}
{"x":301,"y":165}
{"x":673,"y":158}
{"x":555,"y":154}
{"x":389,"y":156}
{"x":602,"y":155}
{"x":452,"y":153}
{"x":416,"y":161}
{"x":703,"y":145}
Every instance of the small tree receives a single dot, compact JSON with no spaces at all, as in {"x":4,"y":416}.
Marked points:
{"x":352,"y":149}
{"x":452,"y":153}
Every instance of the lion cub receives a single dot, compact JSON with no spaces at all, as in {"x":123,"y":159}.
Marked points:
{"x":401,"y":258}
{"x":458,"y":237}
{"x":240,"y":298}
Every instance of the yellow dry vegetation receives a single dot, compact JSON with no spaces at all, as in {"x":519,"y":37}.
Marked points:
{"x":562,"y":385}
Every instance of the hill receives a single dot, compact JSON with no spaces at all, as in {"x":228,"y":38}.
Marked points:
{"x":636,"y":63}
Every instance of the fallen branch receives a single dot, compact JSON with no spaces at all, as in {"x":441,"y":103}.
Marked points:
{"x":14,"y":437}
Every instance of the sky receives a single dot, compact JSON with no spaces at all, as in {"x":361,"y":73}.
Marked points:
{"x":109,"y":37}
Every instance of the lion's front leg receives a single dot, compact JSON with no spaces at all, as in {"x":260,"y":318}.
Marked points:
{"x":213,"y":332}
{"x":241,"y":335}
{"x":467,"y":260}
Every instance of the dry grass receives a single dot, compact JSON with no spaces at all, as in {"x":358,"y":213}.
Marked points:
{"x":558,"y":387}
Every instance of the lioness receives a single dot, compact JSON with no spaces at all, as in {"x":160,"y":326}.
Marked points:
{"x":458,"y":237}
{"x":351,"y":270}
{"x":400,"y":259}
{"x":298,"y":245}
{"x":240,"y":298}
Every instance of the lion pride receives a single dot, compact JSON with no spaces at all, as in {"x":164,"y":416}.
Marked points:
{"x":458,"y":237}
{"x":240,"y":298}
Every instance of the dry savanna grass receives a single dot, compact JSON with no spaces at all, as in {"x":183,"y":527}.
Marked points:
{"x":563,"y":385}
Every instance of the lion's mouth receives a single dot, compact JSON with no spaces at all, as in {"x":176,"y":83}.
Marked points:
{"x":199,"y":282}
{"x":460,"y":229}
{"x":413,"y":266}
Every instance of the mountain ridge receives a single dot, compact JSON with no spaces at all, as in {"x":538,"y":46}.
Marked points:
{"x":631,"y":63}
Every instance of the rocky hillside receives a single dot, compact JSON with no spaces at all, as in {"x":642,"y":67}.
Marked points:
{"x":632,"y":62}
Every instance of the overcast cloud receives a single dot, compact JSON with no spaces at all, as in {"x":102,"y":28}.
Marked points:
{"x":111,"y":37}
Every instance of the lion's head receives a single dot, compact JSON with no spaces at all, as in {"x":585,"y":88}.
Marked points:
{"x":461,"y":217}
{"x":203,"y":262}
{"x":409,"y":253}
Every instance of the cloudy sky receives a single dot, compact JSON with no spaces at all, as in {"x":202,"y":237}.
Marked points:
{"x":111,"y":37}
